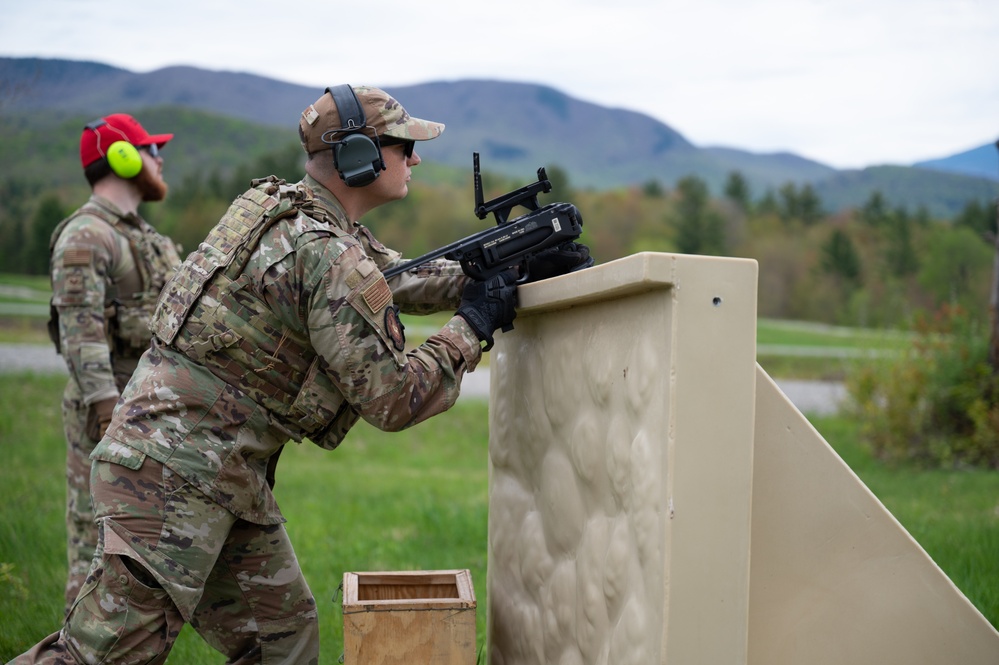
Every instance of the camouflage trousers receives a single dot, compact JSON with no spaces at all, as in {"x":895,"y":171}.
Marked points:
{"x":167,"y":555}
{"x":81,"y":530}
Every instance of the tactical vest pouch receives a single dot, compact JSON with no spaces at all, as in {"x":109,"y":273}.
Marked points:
{"x":320,"y":410}
{"x":331,"y":436}
{"x":132,"y":333}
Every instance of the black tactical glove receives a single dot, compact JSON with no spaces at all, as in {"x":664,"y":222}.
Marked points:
{"x":567,"y":257}
{"x":489,"y":305}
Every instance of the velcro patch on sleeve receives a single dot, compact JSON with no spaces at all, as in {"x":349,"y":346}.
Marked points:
{"x":74,"y":283}
{"x":77,"y":256}
{"x":311,"y":114}
{"x":395,"y":329}
{"x":377,"y":295}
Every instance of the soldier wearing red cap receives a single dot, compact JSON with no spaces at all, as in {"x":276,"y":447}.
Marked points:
{"x":107,"y":267}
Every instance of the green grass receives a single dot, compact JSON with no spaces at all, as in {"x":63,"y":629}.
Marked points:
{"x":32,"y":525}
{"x":24,"y":308}
{"x":952,"y":513}
{"x":413,"y":500}
{"x":39,"y":283}
{"x":812,"y":368}
{"x":804,"y":350}
{"x":801,"y":333}
{"x":406,"y":501}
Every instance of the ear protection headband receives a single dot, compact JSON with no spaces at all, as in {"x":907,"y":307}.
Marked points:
{"x":357,"y":157}
{"x":123,"y":157}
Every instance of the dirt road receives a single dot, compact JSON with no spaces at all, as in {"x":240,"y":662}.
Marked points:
{"x":815,"y":397}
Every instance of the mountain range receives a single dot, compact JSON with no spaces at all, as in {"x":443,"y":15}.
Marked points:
{"x":516,"y":127}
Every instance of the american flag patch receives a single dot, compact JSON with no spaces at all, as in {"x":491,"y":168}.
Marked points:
{"x":76,"y":256}
{"x":378,"y":295}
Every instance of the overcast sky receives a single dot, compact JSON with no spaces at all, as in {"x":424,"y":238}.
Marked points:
{"x":850,"y":83}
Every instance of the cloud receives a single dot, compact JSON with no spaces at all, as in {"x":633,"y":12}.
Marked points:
{"x":846,"y":82}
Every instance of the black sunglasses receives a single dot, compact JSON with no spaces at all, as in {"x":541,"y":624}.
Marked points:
{"x":407,"y":144}
{"x":152,"y":149}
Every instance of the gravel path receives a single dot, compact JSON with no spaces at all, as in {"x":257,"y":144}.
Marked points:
{"x":813,"y":397}
{"x":34,"y":357}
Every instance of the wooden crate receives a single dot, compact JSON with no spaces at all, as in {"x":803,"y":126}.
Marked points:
{"x":411,"y":617}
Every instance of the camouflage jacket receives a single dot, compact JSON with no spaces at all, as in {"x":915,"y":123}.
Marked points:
{"x":107,"y":270}
{"x":281,"y":326}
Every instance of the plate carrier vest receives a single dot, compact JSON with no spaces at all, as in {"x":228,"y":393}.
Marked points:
{"x":212,"y":314}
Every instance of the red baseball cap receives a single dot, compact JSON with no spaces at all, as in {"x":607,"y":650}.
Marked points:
{"x":101,"y":133}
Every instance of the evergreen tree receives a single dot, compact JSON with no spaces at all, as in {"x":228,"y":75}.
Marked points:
{"x":699,"y":229}
{"x":50,"y":212}
{"x":561,"y":187}
{"x":737,"y":190}
{"x":874,"y":212}
{"x":789,"y":206}
{"x":14,"y":246}
{"x":16,"y":197}
{"x":922,"y":217}
{"x":653,"y":189}
{"x":840,"y":258}
{"x":768,"y":204}
{"x":900,"y":255}
{"x":979,"y":218}
{"x":803,"y":204}
{"x":809,"y":206}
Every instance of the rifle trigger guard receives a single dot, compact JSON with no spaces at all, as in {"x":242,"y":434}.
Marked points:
{"x":525,"y":273}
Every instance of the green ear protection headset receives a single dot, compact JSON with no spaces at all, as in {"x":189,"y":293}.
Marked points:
{"x":122,"y":157}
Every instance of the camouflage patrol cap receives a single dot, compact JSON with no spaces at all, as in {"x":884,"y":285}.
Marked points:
{"x":381,"y":113}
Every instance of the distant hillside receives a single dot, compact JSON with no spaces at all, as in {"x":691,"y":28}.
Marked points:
{"x":515,"y":126}
{"x":980,"y":162}
{"x":942,"y":194}
{"x":92,"y":88}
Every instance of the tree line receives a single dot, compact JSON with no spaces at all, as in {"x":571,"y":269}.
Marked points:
{"x":877,"y":265}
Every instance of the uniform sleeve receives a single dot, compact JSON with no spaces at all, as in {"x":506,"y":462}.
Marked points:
{"x":354,"y":325}
{"x":435,"y":286}
{"x":82,"y":259}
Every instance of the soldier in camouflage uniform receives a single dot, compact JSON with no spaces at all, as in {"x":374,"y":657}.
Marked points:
{"x":108,"y":267}
{"x":280,"y":326}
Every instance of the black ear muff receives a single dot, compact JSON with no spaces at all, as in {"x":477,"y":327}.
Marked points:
{"x":123,"y":158}
{"x":357,"y":157}
{"x":358,"y":160}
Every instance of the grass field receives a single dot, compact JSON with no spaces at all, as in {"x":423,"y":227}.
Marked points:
{"x":407,"y":501}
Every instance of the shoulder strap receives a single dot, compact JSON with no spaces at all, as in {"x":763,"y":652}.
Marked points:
{"x":227,"y":248}
{"x":87,"y":209}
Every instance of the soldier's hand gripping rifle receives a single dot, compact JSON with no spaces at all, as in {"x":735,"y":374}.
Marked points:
{"x":511,"y":243}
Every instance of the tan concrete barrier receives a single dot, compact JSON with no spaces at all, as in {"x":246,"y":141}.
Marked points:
{"x":835,"y":578}
{"x":621,"y":427}
{"x":624,"y":523}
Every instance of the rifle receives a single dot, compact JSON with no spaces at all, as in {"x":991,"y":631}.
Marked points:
{"x":511,"y":242}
